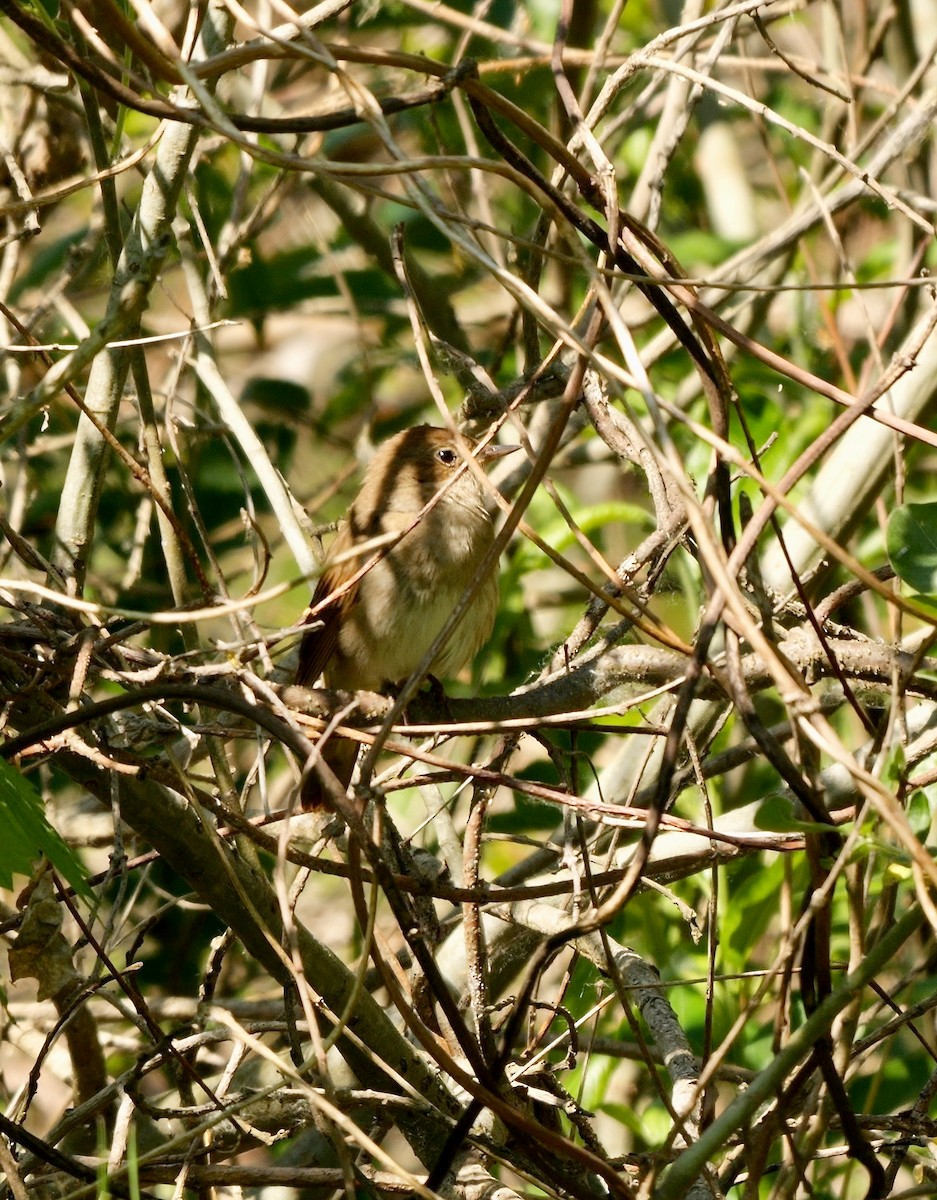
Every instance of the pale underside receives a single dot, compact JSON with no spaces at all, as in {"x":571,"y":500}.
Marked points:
{"x":403,"y":610}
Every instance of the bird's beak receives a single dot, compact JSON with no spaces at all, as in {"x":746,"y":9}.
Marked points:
{"x":490,"y":452}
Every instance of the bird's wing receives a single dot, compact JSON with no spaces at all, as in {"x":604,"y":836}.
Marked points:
{"x":318,"y":645}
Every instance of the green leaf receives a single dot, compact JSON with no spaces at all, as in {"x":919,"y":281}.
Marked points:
{"x":776,"y":813}
{"x":895,"y":767}
{"x":751,"y":908}
{"x":47,"y":264}
{"x":928,"y":603}
{"x":912,"y":545}
{"x":27,"y":834}
{"x":919,"y":814}
{"x":625,"y":1116}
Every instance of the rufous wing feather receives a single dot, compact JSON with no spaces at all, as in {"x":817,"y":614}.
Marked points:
{"x":318,"y":644}
{"x":315,"y":652}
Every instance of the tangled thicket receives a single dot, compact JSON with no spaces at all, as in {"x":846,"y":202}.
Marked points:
{"x":643,"y":905}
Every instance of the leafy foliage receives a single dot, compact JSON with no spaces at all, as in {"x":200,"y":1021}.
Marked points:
{"x":28,"y":834}
{"x":633,"y":907}
{"x":912,"y":545}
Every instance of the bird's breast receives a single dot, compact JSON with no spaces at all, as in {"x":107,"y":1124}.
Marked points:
{"x":406,"y":598}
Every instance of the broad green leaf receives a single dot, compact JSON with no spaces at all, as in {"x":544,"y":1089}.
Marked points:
{"x":928,"y":603}
{"x":919,"y":813}
{"x":776,"y":813}
{"x":27,"y":834}
{"x":912,"y":545}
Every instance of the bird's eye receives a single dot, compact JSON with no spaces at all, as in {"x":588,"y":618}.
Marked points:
{"x":446,"y":456}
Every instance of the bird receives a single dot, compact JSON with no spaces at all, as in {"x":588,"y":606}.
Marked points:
{"x":380,"y":603}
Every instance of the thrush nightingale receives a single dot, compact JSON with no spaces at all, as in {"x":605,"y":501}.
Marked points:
{"x":386,"y":600}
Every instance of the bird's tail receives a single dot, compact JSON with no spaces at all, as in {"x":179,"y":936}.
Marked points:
{"x":339,"y":755}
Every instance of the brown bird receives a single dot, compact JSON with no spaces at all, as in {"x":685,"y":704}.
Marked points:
{"x":377,"y":630}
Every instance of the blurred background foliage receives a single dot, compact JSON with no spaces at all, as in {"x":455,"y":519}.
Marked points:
{"x":282,"y":238}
